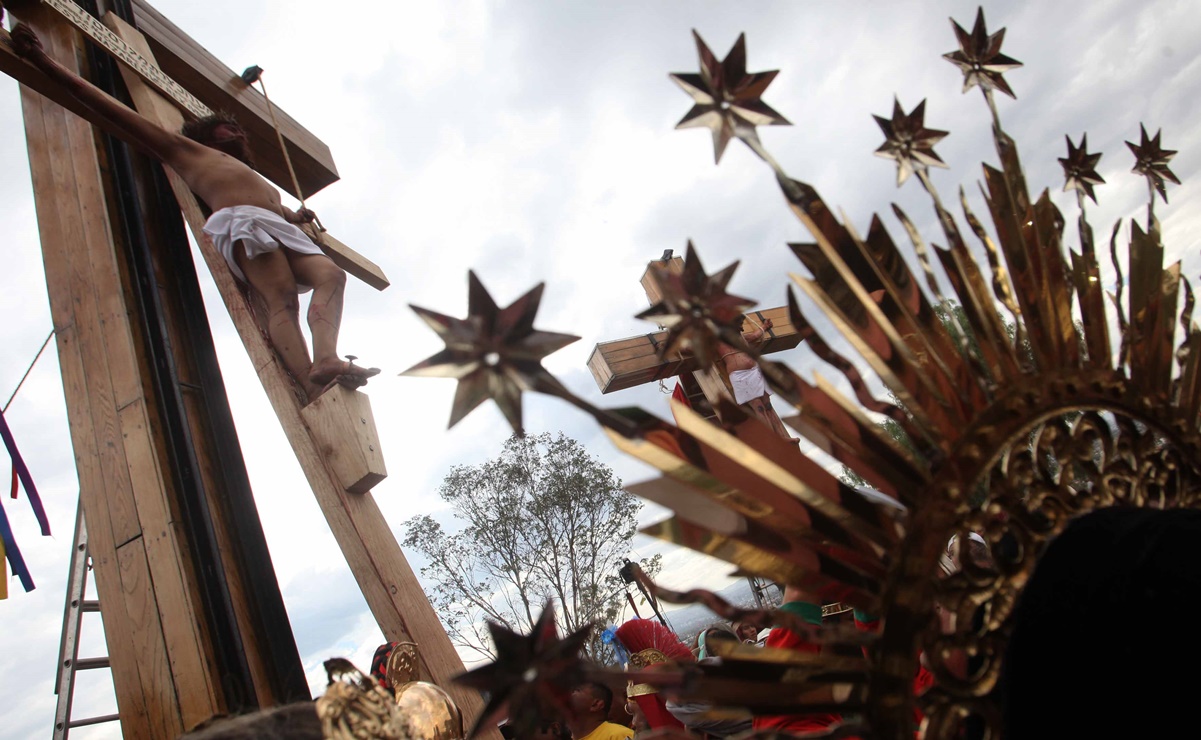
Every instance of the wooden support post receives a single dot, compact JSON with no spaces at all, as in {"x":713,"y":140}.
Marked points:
{"x":160,"y":660}
{"x":388,"y":583}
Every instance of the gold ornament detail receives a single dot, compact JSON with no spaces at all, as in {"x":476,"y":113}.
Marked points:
{"x":646,"y":658}
{"x":356,"y":707}
{"x":1017,"y":419}
{"x":429,"y":710}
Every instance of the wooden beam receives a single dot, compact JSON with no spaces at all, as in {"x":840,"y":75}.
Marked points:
{"x":156,"y":645}
{"x":342,"y":423}
{"x":33,"y":78}
{"x":650,"y":282}
{"x":625,"y":363}
{"x":349,"y":260}
{"x":388,"y":583}
{"x":222,"y":89}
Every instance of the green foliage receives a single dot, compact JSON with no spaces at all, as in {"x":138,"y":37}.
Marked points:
{"x":543,"y":521}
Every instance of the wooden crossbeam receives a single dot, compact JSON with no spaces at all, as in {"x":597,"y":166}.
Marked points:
{"x":626,"y":363}
{"x":220,"y":88}
{"x":217,"y":87}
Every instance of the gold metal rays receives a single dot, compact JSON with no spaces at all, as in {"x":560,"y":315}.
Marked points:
{"x":1021,"y":408}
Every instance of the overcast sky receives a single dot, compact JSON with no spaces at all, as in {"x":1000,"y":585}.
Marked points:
{"x":533,"y":141}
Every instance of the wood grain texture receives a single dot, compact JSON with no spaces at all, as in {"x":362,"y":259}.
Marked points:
{"x":348,"y":259}
{"x":221,"y":88}
{"x":154,"y":644}
{"x":626,"y":363}
{"x":342,"y":424}
{"x":388,"y":583}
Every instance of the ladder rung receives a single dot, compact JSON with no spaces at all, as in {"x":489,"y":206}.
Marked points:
{"x":93,"y":720}
{"x":87,"y":664}
{"x":91,"y":605}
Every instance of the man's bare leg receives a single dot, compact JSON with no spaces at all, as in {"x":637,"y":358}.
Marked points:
{"x":270,"y":276}
{"x":325,"y":319}
{"x":762,"y":408}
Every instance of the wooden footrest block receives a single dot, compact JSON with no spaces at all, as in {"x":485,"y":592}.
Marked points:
{"x":341,"y":423}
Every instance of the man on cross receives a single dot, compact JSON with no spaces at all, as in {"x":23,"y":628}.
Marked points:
{"x":248,"y":225}
{"x":747,"y":381}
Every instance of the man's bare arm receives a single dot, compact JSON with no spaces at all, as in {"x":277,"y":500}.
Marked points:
{"x":303,"y":216}
{"x":140,"y":132}
{"x":758,"y":335}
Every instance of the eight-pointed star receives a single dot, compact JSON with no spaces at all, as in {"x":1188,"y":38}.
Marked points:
{"x":1152,"y":160}
{"x":908,"y":141}
{"x":1080,"y":168}
{"x":696,"y":309}
{"x":532,"y":674}
{"x":727,"y":98}
{"x":979,"y":57}
{"x":494,"y":353}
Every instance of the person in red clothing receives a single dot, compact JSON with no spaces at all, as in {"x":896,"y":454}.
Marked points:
{"x":798,"y":603}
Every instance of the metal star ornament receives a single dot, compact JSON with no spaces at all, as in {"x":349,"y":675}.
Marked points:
{"x":908,"y":141}
{"x":1151,"y":161}
{"x":1080,"y":168}
{"x":532,"y":676}
{"x":494,"y":353}
{"x":696,"y":309}
{"x":980,"y":59}
{"x":727,"y":98}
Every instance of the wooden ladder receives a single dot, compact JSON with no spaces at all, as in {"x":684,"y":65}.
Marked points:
{"x":69,"y":661}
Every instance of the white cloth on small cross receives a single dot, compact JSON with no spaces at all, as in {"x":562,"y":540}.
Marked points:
{"x":748,"y":384}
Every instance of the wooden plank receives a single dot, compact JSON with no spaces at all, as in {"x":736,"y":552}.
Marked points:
{"x":388,"y":583}
{"x":649,"y":282}
{"x":44,"y":128}
{"x":344,"y":427}
{"x":348,"y":259}
{"x":79,"y":242}
{"x":162,"y":716}
{"x":627,"y":363}
{"x":192,"y":668}
{"x":249,"y":628}
{"x":221,"y":88}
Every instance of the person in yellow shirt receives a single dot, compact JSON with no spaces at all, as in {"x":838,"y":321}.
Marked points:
{"x":590,"y":705}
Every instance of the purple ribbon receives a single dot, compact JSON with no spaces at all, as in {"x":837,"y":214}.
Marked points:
{"x":31,"y":490}
{"x":14,"y":553}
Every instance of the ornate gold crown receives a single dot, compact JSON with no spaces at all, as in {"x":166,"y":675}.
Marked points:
{"x":1014,"y":427}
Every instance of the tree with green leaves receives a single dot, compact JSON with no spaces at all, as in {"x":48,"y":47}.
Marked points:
{"x":543,"y":521}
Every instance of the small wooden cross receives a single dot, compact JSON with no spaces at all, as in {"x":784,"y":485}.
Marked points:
{"x":627,"y":363}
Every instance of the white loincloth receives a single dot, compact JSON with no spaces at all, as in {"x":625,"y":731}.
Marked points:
{"x":748,"y":384}
{"x":260,"y":231}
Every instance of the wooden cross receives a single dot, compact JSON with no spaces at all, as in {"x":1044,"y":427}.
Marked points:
{"x":626,"y":363}
{"x":194,"y":621}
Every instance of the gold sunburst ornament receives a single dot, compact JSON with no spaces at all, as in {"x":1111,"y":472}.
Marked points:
{"x":1017,"y":418}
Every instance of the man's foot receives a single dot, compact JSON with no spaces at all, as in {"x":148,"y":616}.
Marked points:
{"x":349,"y":381}
{"x":328,"y":371}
